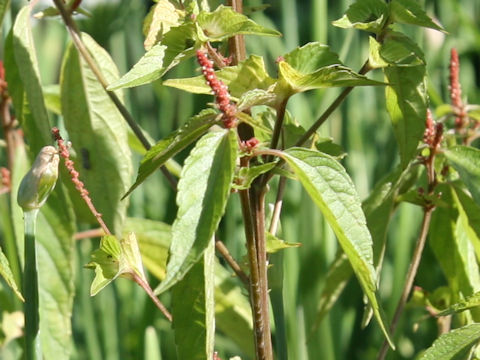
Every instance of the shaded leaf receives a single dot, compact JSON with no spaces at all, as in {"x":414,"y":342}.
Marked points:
{"x":248,"y":75}
{"x":466,"y":160}
{"x":7,"y":275}
{"x":172,"y":144}
{"x":224,"y":23}
{"x":332,"y":190}
{"x":98,"y":134}
{"x":367,"y":15}
{"x":51,"y":94}
{"x":255,"y":97}
{"x":396,"y":49}
{"x":246,"y":175}
{"x":468,"y":303}
{"x":451,"y":344}
{"x":410,"y":12}
{"x":203,"y":191}
{"x":407,"y":106}
{"x":193,"y":309}
{"x":4,"y":6}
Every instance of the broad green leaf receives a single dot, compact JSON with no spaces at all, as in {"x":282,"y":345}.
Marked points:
{"x":177,"y":45}
{"x":255,"y":97}
{"x":407,"y":106}
{"x":115,"y":258}
{"x":203,"y":191}
{"x":224,"y":23}
{"x":368,"y":15}
{"x":452,"y":248}
{"x":451,"y":344}
{"x":160,"y":19}
{"x":275,"y":244}
{"x":172,"y":144}
{"x":410,"y":12}
{"x":154,"y":239}
{"x":466,"y":160}
{"x":98,"y":134}
{"x":246,"y":175}
{"x":332,"y":190}
{"x":314,"y":66}
{"x":193,"y":308}
{"x":396,"y":49}
{"x":37,"y":125}
{"x":468,"y":303}
{"x":7,"y":275}
{"x":248,"y":75}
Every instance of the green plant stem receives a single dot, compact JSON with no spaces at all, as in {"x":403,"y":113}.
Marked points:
{"x":412,"y":272}
{"x":82,"y":49}
{"x":277,"y":129}
{"x":326,"y":114}
{"x":277,"y":209}
{"x":30,"y":290}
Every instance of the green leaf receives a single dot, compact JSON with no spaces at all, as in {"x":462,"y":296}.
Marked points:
{"x":367,"y":15}
{"x":255,"y":97}
{"x":224,"y":23}
{"x":468,"y":303}
{"x":248,"y":75}
{"x":177,"y":45}
{"x":35,"y":122}
{"x":203,"y":191}
{"x":51,"y":94}
{"x":98,"y":133}
{"x":193,"y":307}
{"x":332,"y":190}
{"x":451,"y":344}
{"x":113,"y":259}
{"x":4,"y":6}
{"x":246,"y":175}
{"x":466,"y":160}
{"x":160,"y":19}
{"x":314,"y":66}
{"x":410,"y":12}
{"x":7,"y":275}
{"x":172,"y":144}
{"x":275,"y":244}
{"x":407,"y":106}
{"x":396,"y":49}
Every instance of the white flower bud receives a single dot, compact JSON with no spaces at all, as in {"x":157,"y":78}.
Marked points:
{"x":40,"y":180}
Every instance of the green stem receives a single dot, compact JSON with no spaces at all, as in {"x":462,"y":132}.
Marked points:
{"x":30,"y":290}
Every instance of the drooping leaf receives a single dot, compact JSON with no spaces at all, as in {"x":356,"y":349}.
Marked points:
{"x":202,"y":195}
{"x":160,"y":19}
{"x":453,"y":343}
{"x":407,"y":106}
{"x":172,"y":144}
{"x":193,"y":308}
{"x":248,"y":75}
{"x":115,"y":258}
{"x":466,"y":160}
{"x":396,"y":49}
{"x":7,"y":275}
{"x":98,"y":133}
{"x":314,"y":66}
{"x":224,"y":23}
{"x":367,"y":15}
{"x":177,"y":45}
{"x":410,"y":12}
{"x":332,"y":190}
{"x":468,"y":303}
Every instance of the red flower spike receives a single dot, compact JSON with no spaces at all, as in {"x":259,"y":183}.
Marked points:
{"x":430,"y":130}
{"x":455,"y":88}
{"x":220,"y":90}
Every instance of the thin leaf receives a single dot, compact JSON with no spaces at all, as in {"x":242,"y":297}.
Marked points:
{"x":466,"y":160}
{"x":367,"y":15}
{"x":98,"y":133}
{"x":202,"y":195}
{"x":7,"y":275}
{"x":4,"y":6}
{"x":407,"y":106}
{"x":468,"y":303}
{"x":224,"y":23}
{"x":193,"y":309}
{"x":330,"y":187}
{"x":410,"y":12}
{"x":275,"y":244}
{"x":172,"y":144}
{"x":451,"y":344}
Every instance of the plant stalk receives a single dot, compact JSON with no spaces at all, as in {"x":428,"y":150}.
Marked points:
{"x":33,"y":349}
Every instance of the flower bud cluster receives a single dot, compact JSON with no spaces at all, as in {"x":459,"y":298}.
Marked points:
{"x":220,"y":90}
{"x":433,"y":132}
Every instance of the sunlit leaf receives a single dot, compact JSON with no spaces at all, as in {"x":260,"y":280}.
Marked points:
{"x":160,"y":19}
{"x":453,"y":343}
{"x":410,"y":12}
{"x":98,"y":134}
{"x":275,"y":244}
{"x":368,"y":15}
{"x":7,"y":275}
{"x":246,"y":175}
{"x":332,"y":190}
{"x":203,"y":191}
{"x":396,"y":49}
